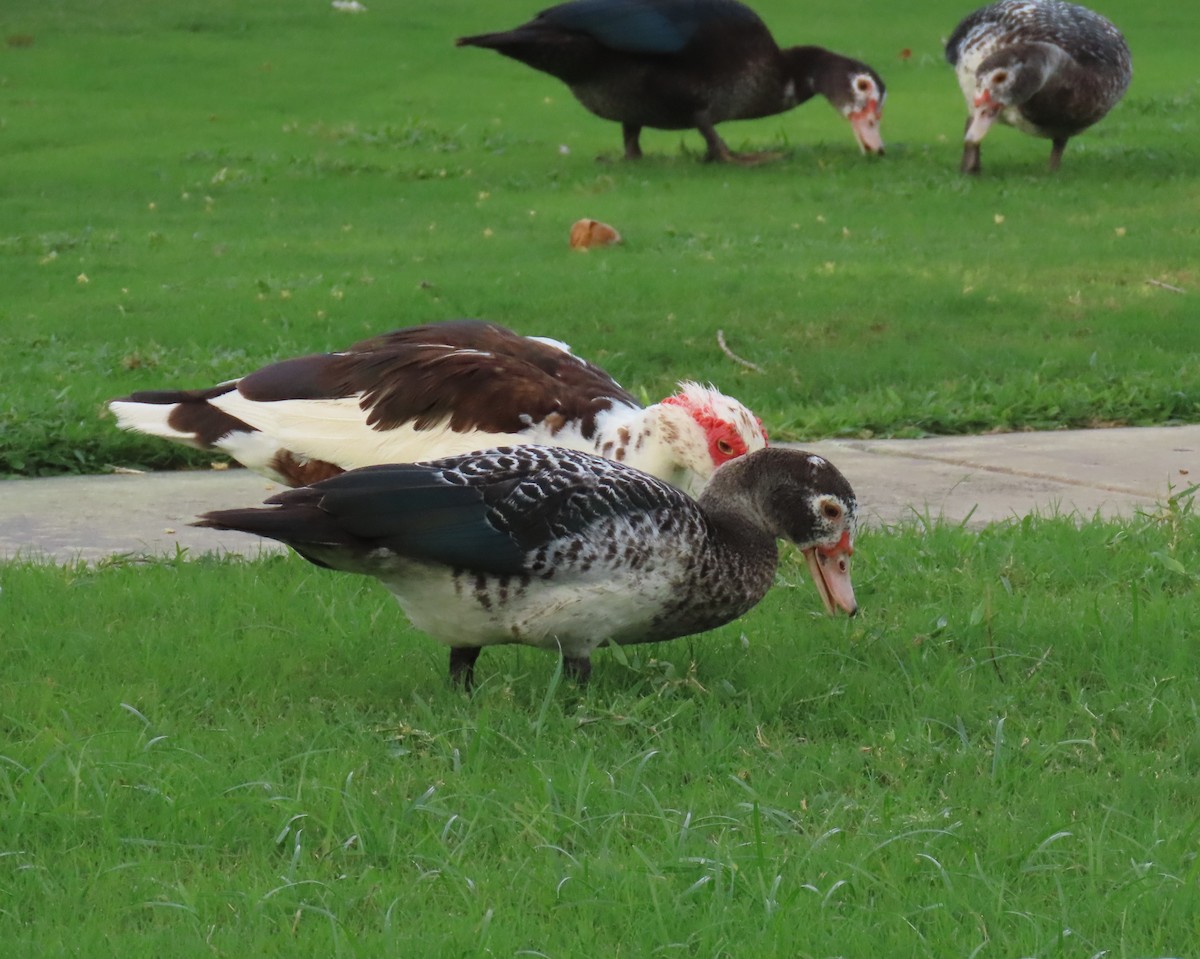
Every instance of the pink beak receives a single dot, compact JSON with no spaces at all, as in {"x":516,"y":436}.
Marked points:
{"x":982,"y":117}
{"x":829,"y":567}
{"x":865,"y":123}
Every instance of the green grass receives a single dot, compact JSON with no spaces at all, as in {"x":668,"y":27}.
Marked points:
{"x":193,"y":189}
{"x":998,"y":757}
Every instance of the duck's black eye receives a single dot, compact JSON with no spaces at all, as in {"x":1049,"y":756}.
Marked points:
{"x":864,"y":84}
{"x":999,"y":76}
{"x":831,"y":510}
{"x":724,"y":447}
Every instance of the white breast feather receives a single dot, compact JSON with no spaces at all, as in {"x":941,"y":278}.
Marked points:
{"x":548,"y":616}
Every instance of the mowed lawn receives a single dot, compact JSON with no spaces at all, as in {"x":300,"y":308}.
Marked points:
{"x":997,"y":758}
{"x":192,"y":189}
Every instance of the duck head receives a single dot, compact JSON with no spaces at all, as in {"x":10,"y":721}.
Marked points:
{"x":803,"y":498}
{"x":864,"y":109}
{"x":699,"y":429}
{"x":1006,"y":80}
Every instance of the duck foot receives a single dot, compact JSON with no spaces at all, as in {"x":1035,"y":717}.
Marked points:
{"x":462,"y":666}
{"x":717,"y":152}
{"x":755,"y":159}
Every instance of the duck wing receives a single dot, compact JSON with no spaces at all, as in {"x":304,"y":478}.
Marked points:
{"x":474,"y":374}
{"x":487,"y":512}
{"x":637,"y":26}
{"x":1088,"y":37}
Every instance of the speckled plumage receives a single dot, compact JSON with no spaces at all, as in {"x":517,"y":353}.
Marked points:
{"x":437,"y":390}
{"x":680,"y":64}
{"x":1048,"y":68}
{"x":565,"y":551}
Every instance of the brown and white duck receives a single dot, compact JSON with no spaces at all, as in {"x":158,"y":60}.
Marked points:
{"x":1048,"y":68}
{"x":686,"y":64}
{"x":437,"y":390}
{"x":566,"y":551}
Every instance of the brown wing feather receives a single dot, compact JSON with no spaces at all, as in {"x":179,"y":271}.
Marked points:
{"x":476,"y":374}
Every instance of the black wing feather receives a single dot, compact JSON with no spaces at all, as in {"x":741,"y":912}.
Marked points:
{"x":484,"y":512}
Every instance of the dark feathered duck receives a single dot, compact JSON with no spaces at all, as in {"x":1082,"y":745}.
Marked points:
{"x":1048,"y":68}
{"x":429,"y":391}
{"x":566,"y":551}
{"x":683,"y":64}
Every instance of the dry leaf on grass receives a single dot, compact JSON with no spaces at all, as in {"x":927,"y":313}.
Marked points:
{"x":586,"y":234}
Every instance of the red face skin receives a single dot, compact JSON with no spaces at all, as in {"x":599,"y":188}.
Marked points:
{"x":866,"y":123}
{"x":842,"y":547}
{"x":724,"y":441}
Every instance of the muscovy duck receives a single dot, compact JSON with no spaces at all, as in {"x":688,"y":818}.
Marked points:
{"x":682,"y":64}
{"x":1048,"y":68}
{"x":566,"y":551}
{"x":429,"y":391}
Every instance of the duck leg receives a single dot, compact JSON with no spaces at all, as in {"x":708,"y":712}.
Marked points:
{"x":718,"y":152}
{"x":1056,"y":152}
{"x":632,"y":133}
{"x":578,"y":668}
{"x":462,"y":665}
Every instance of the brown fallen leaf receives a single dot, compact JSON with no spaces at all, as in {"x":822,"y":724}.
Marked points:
{"x":586,"y":234}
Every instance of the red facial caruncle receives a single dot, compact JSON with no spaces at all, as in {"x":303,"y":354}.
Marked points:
{"x":870,"y":112}
{"x":842,"y":547}
{"x":724,"y":441}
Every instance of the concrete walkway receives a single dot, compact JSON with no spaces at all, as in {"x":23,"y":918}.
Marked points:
{"x":973,"y":479}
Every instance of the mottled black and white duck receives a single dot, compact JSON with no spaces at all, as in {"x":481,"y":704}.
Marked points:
{"x":567,"y":551}
{"x":684,"y":64}
{"x":430,"y":391}
{"x":1048,"y":68}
